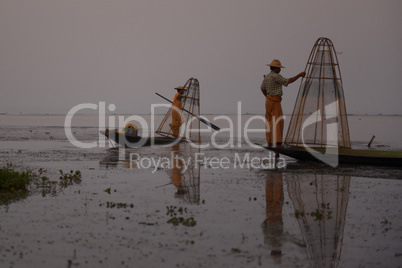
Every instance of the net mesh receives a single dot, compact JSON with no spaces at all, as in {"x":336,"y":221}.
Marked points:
{"x":319,"y":117}
{"x":190,"y":111}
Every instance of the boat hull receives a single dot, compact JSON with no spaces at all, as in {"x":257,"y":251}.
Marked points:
{"x":134,"y":141}
{"x":345,"y":156}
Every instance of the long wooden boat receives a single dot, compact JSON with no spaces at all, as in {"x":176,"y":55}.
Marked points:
{"x":134,"y":141}
{"x":345,"y":156}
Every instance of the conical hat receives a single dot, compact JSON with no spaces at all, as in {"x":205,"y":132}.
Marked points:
{"x":276,"y":63}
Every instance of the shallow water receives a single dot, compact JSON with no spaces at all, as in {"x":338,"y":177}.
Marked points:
{"x":246,"y":214}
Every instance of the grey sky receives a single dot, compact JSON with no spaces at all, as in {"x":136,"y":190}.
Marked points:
{"x":55,"y":54}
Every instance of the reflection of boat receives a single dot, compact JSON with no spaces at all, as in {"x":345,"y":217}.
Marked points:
{"x":134,"y":141}
{"x":118,"y":157}
{"x":111,"y":158}
{"x":345,"y":156}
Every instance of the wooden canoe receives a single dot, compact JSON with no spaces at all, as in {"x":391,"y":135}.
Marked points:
{"x":345,"y":156}
{"x":133,"y":141}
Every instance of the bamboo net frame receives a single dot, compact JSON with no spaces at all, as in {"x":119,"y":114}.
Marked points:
{"x":191,"y":125}
{"x":319,"y":117}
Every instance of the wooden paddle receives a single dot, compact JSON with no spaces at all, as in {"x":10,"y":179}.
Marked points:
{"x":199,"y":118}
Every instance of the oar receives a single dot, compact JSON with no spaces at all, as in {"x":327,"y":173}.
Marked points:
{"x":199,"y":118}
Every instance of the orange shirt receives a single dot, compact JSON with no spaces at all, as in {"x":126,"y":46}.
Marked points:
{"x":176,"y":101}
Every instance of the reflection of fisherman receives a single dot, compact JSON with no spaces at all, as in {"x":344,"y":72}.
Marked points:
{"x":273,"y":225}
{"x":176,"y":114}
{"x":177,"y":167}
{"x":271,"y":87}
{"x":185,"y":177}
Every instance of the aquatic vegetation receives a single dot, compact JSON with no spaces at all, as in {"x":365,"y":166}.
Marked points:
{"x":236,"y":250}
{"x":298,"y":214}
{"x":173,"y":211}
{"x":43,"y":183}
{"x":67,"y":179}
{"x":16,"y":185}
{"x":386,"y":225}
{"x":117,"y":205}
{"x":324,"y":211}
{"x":109,"y":190}
{"x":317,"y":215}
{"x":13,"y":184}
{"x":13,"y":180}
{"x":385,"y":222}
{"x":180,"y":220}
{"x":46,"y":186}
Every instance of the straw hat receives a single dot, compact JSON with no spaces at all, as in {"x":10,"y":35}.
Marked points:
{"x":180,"y":88}
{"x":276,"y":63}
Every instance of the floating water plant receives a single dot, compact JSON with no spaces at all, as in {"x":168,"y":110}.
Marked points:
{"x":173,"y":210}
{"x":317,"y":215}
{"x":67,"y":179}
{"x":298,"y":214}
{"x":118,"y":205}
{"x":12,"y":180}
{"x":180,"y":220}
{"x":16,"y":185}
{"x":13,"y":184}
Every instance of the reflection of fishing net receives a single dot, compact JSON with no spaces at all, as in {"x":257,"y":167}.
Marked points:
{"x":320,"y":203}
{"x":319,"y":117}
{"x":188,"y":121}
{"x":185,"y":173}
{"x":189,"y":188}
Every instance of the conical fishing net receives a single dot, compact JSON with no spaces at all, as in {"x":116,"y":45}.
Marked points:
{"x":319,"y":117}
{"x":190,"y":125}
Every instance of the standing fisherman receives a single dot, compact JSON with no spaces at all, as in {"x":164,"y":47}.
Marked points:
{"x":176,"y":114}
{"x":271,"y":87}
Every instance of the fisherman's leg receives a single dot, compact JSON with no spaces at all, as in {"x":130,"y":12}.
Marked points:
{"x":176,"y":123}
{"x":268,"y":121}
{"x":277,"y":118}
{"x":278,"y":122}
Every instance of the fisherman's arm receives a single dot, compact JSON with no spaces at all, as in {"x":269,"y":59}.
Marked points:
{"x":291,"y":80}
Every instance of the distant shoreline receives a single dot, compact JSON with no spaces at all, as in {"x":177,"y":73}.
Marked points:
{"x":127,"y":114}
